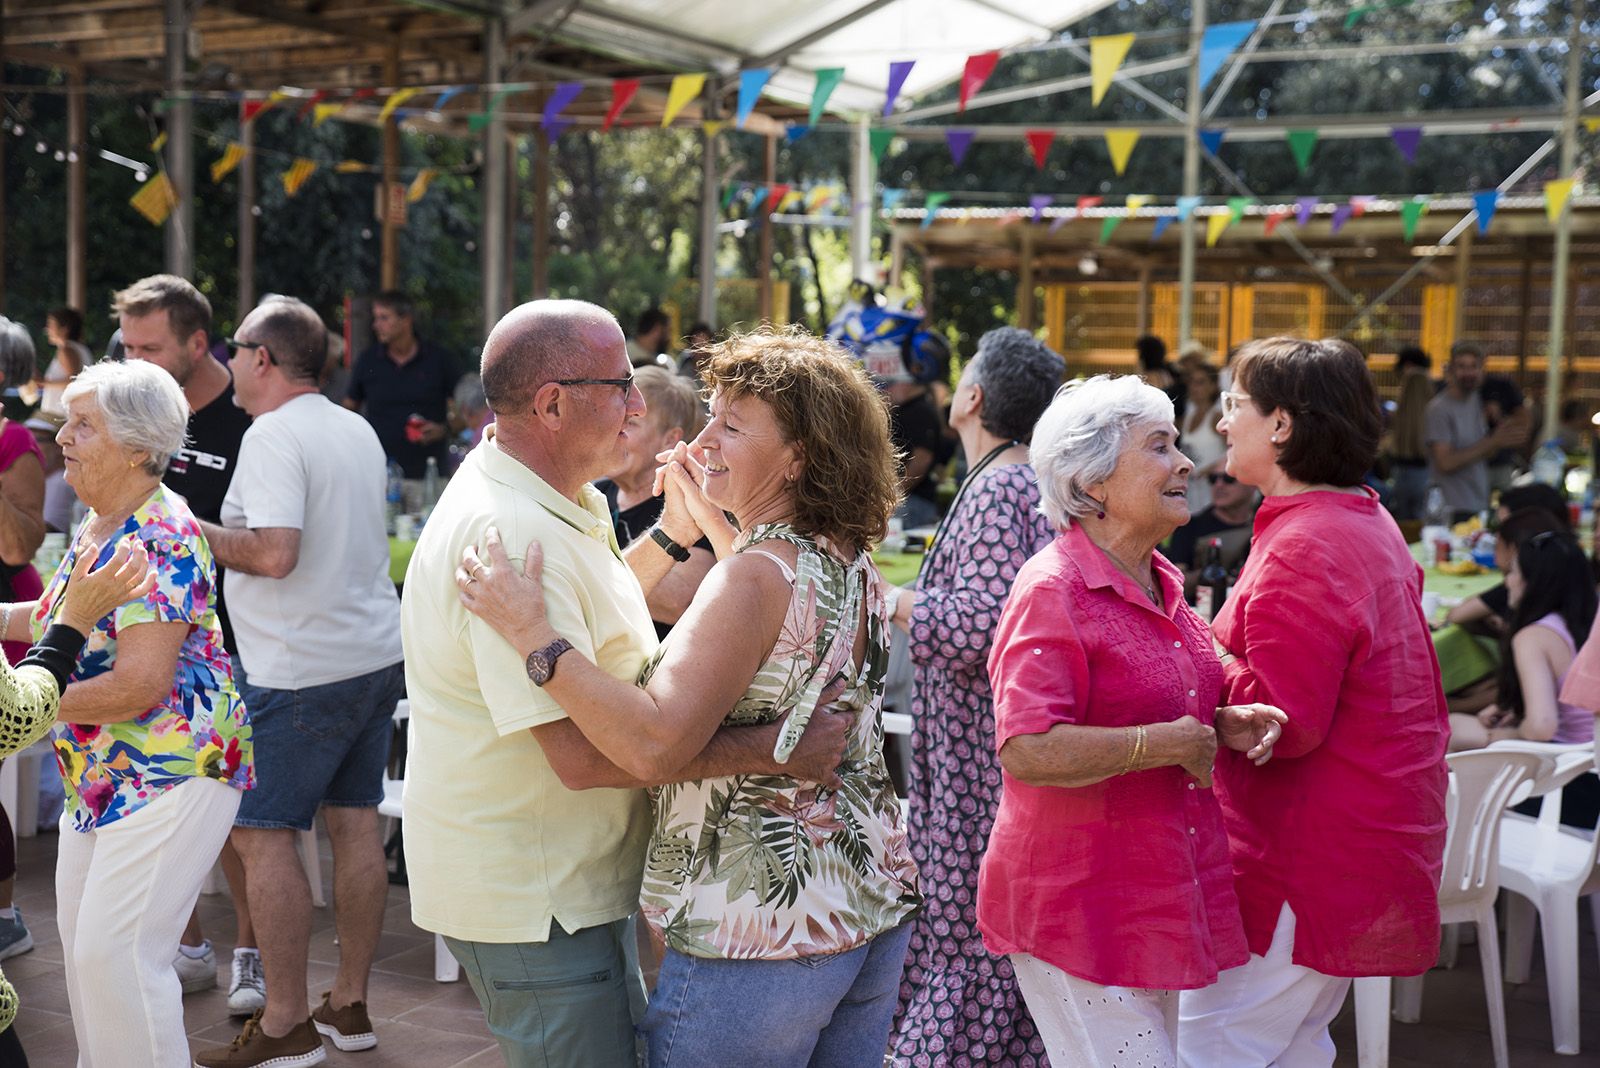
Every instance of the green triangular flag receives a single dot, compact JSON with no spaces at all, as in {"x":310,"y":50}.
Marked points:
{"x":880,"y":142}
{"x":477,"y":121}
{"x":827,"y":80}
{"x":1301,"y":143}
{"x":1108,"y":224}
{"x":1411,"y":213}
{"x":727,"y":196}
{"x":930,"y":206}
{"x":1236,"y":206}
{"x":1356,"y":14}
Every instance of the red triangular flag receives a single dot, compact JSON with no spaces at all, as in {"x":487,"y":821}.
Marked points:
{"x":1040,"y":141}
{"x":775,"y":195}
{"x":1088,"y":202}
{"x":1272,"y":221}
{"x":977,"y":71}
{"x":622,"y":91}
{"x":249,"y":109}
{"x":362,"y":94}
{"x":316,"y":98}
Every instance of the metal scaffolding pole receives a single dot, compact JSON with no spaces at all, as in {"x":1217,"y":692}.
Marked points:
{"x":180,"y":141}
{"x":492,"y":224}
{"x":863,"y":183}
{"x":77,"y":227}
{"x":1563,"y":250}
{"x":247,"y":219}
{"x":1191,"y":177}
{"x":709,"y":211}
{"x":389,"y":263}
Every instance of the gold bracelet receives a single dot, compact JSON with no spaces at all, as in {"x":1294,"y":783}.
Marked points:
{"x":1138,"y":756}
{"x":1132,"y":738}
{"x":5,"y":620}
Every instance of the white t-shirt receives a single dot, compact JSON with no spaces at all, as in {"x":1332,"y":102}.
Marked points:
{"x":316,"y":467}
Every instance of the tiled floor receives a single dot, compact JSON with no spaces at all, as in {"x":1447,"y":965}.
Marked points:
{"x":424,"y":1024}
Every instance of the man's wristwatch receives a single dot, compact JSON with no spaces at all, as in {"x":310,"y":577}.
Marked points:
{"x":668,"y":546}
{"x":541,"y":663}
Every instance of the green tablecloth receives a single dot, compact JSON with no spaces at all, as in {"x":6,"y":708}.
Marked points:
{"x":898,"y":568}
{"x":399,"y":558}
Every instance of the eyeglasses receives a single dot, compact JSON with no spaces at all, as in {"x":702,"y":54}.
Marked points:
{"x":1231,"y":402}
{"x":624,"y":384}
{"x":1222,"y":480}
{"x":235,"y":344}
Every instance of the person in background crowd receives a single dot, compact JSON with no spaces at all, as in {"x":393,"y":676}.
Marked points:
{"x":696,"y":345}
{"x":1576,"y":432}
{"x":673,"y":413}
{"x":1408,"y":454}
{"x":1154,"y":369}
{"x":1503,"y":403}
{"x":1457,"y":435}
{"x":60,"y":503}
{"x":914,"y":431}
{"x":1343,"y":649}
{"x":1535,"y":507}
{"x":64,"y":327}
{"x":1199,"y":438}
{"x":1232,"y":511}
{"x":153,"y":742}
{"x":1552,"y":598}
{"x":650,"y":338}
{"x":1580,"y":800}
{"x":403,"y":384}
{"x":1107,"y":875}
{"x":951,"y":983}
{"x":472,"y":410}
{"x":165,"y":321}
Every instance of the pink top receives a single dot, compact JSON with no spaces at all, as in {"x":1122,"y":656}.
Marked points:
{"x":1347,"y":821}
{"x":1125,"y":882}
{"x":1575,"y":722}
{"x":16,"y":441}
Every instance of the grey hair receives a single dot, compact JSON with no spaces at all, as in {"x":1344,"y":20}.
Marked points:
{"x":143,"y":407}
{"x":1080,"y":437}
{"x":19,"y":362}
{"x":1018,"y":375}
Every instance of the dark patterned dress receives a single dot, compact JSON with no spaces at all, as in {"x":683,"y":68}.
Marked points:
{"x":960,"y":1005}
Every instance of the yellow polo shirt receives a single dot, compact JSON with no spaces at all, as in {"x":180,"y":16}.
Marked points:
{"x":496,"y":846}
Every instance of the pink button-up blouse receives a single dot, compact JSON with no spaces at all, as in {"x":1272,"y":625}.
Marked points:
{"x":1347,"y":821}
{"x":1125,"y":882}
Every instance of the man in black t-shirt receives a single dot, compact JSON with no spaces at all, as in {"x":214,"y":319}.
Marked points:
{"x":914,"y":430}
{"x":400,"y":376}
{"x":1232,"y":511}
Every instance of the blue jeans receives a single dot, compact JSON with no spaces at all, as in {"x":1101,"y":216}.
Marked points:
{"x":832,"y":1011}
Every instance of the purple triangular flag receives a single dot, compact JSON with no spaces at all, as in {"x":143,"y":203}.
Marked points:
{"x":1406,"y":139}
{"x":1038,"y":202}
{"x":1061,"y":220}
{"x":1304,"y":208}
{"x":1485,"y":202}
{"x":959,"y":141}
{"x":1341,"y":215}
{"x":1212,"y":139}
{"x":1162,"y":222}
{"x":897,"y":78}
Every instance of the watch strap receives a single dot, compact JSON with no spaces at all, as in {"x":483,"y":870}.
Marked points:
{"x":670,"y":547}
{"x":541,"y":663}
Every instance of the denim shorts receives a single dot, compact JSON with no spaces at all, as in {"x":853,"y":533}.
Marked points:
{"x":323,"y":745}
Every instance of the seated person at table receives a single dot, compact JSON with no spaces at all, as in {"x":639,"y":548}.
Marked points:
{"x":1491,"y":609}
{"x":673,"y":413}
{"x":1232,"y":511}
{"x":1552,"y":610}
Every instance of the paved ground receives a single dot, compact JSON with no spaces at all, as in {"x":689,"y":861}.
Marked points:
{"x":424,"y":1024}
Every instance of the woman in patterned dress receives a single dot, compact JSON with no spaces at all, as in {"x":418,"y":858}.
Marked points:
{"x":784,"y":905}
{"x":959,"y":1004}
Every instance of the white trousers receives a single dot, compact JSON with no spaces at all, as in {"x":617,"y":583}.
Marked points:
{"x":123,"y":895}
{"x":1267,"y":1013}
{"x":1086,"y":1025}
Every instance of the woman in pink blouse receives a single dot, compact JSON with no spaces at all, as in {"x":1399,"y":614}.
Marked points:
{"x":1337,"y":844}
{"x":1107,"y":877}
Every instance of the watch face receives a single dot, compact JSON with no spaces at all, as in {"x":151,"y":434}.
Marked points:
{"x":539,"y":668}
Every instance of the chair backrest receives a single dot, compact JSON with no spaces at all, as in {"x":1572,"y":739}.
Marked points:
{"x":1559,"y":763}
{"x":1482,"y":783}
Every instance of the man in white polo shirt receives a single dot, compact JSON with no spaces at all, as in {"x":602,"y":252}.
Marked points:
{"x":524,"y":846}
{"x":316,"y":615}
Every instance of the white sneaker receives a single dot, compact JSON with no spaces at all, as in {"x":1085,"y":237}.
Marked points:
{"x":196,"y":973}
{"x":247,"y":993}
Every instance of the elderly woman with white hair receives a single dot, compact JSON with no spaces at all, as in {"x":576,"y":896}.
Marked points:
{"x":1108,"y":879}
{"x":152,"y":739}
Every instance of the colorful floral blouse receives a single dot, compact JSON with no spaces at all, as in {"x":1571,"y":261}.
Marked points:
{"x":200,"y":729}
{"x":765,"y":867}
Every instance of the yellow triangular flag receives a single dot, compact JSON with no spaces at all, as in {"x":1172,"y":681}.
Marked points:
{"x":789,"y":199}
{"x":1105,"y":57}
{"x":231,"y":157}
{"x":277,"y":95}
{"x":396,"y":98}
{"x":296,"y":175}
{"x":685,"y":87}
{"x":714,"y":126}
{"x":1556,"y":195}
{"x":1121,"y":143}
{"x":1135,"y":202}
{"x":1215,"y":224}
{"x":419,"y":185}
{"x":351,"y":166}
{"x":323,"y":112}
{"x":1592,"y":125}
{"x":820,"y":196}
{"x":155,"y":199}
{"x":160,"y":142}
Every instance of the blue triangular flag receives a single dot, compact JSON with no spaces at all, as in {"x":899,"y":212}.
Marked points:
{"x":1212,"y":140}
{"x":1485,"y":202}
{"x":892,"y":199}
{"x":1162,"y":222}
{"x":959,"y":141}
{"x":444,"y":97}
{"x":1186,"y":206}
{"x":757,"y":199}
{"x":751,"y":82}
{"x":1220,"y":42}
{"x":794,"y":131}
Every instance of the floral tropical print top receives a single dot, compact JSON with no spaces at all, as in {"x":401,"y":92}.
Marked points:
{"x":766,"y":867}
{"x":200,"y":729}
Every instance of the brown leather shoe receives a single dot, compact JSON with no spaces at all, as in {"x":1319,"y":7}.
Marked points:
{"x":254,"y":1048}
{"x":349,"y":1028}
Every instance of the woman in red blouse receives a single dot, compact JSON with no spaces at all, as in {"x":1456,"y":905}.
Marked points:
{"x":1107,"y":877}
{"x":1337,"y":844}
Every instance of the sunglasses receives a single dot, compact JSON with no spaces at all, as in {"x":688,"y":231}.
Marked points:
{"x":235,"y":344}
{"x":624,"y":384}
{"x":1222,"y":480}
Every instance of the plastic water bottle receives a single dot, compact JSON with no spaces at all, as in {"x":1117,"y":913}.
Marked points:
{"x":432,"y":486}
{"x":394,"y":495}
{"x":1437,"y":515}
{"x":1550,"y":464}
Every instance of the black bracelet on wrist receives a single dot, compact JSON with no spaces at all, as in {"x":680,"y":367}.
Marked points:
{"x":668,"y":546}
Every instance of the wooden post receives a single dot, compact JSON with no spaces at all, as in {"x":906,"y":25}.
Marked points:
{"x":180,"y":141}
{"x":1027,"y":317}
{"x":541,"y":218}
{"x":1143,"y":327}
{"x":508,"y":284}
{"x":1524,"y":314}
{"x":1463,"y":275}
{"x":492,"y":206}
{"x":247,"y":219}
{"x":389,"y":270}
{"x":1561,"y":259}
{"x":710,"y":212}
{"x":77,"y":227}
{"x":764,"y":236}
{"x":897,"y":258}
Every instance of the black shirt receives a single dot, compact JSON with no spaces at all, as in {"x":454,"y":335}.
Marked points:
{"x":633,"y":523}
{"x":1181,"y":549}
{"x":915,"y":425}
{"x":392,"y":393}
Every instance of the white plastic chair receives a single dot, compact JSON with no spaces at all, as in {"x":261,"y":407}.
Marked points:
{"x":446,"y":969}
{"x":1482,"y":784}
{"x":1548,"y":867}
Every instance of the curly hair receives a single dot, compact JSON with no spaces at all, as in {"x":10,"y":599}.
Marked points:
{"x":830,"y":411}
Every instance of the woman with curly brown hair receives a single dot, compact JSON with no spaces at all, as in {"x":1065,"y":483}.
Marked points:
{"x":783,"y":905}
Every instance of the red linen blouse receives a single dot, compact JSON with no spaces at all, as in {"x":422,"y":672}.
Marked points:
{"x":1347,"y":821}
{"x":1125,"y":882}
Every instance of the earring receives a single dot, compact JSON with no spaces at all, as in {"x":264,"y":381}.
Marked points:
{"x":1101,"y":514}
